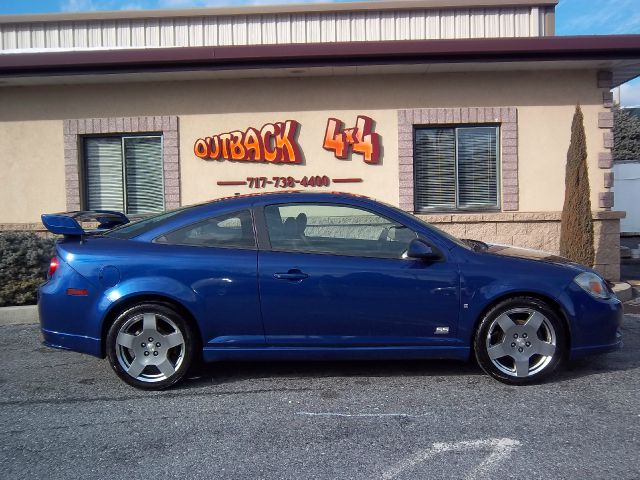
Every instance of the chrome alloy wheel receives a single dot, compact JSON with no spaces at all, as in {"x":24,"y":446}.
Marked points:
{"x":521,"y":342}
{"x":150,"y":347}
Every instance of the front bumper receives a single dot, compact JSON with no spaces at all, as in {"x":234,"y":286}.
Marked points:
{"x":597,"y":325}
{"x":581,"y":352}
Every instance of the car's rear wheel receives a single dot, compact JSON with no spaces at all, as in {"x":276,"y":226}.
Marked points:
{"x":520,"y":340}
{"x":150,"y":346}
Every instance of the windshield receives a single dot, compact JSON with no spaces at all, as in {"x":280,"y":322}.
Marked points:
{"x":133,"y":229}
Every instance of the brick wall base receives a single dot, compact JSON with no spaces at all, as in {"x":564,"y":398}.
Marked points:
{"x":537,"y":230}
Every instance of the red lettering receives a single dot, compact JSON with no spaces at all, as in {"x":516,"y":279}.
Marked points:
{"x":360,"y":139}
{"x":253,"y":146}
{"x":214,"y":147}
{"x":368,"y":143}
{"x":225,"y":138}
{"x":268,"y":133}
{"x":349,"y":135}
{"x":236,"y":146}
{"x":274,"y":142}
{"x":286,"y":142}
{"x":334,"y":139}
{"x":201,"y":149}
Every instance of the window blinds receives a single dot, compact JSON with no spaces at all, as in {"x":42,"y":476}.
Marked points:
{"x":103,"y":160}
{"x":455,"y":168}
{"x":143,"y":163}
{"x":124,"y":174}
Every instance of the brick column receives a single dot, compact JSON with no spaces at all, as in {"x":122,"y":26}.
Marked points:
{"x":506,"y":117}
{"x":605,"y":158}
{"x":167,"y":126}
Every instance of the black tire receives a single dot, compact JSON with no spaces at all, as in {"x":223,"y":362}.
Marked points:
{"x":519,"y":342}
{"x":132,"y":324}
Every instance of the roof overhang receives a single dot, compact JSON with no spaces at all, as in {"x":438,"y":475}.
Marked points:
{"x":619,"y":54}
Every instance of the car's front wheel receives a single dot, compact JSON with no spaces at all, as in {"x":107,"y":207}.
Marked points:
{"x":150,"y":346}
{"x":520,"y":340}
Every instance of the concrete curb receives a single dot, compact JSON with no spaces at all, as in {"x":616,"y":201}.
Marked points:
{"x":635,"y":287}
{"x":623,"y":291}
{"x":19,"y":315}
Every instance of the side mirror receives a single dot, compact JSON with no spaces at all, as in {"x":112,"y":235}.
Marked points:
{"x":421,"y":251}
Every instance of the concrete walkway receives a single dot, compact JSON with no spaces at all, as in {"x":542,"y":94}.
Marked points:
{"x":19,"y":315}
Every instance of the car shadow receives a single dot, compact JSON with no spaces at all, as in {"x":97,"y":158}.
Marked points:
{"x":229,"y":372}
{"x":232,"y":372}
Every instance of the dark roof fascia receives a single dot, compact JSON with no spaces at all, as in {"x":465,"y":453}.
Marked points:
{"x":615,"y":47}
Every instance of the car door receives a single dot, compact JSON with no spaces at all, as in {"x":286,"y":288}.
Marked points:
{"x":335,"y":276}
{"x":216,"y":258}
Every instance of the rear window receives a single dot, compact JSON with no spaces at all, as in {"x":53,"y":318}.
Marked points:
{"x":130,"y":230}
{"x":231,"y":230}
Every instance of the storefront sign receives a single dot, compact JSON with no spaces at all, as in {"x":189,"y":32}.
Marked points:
{"x":359,"y":139}
{"x":274,"y":143}
{"x":277,"y":143}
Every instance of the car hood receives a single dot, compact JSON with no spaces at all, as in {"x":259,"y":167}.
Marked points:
{"x":530,"y":254}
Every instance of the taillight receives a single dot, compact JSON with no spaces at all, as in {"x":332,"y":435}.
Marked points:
{"x":53,"y":266}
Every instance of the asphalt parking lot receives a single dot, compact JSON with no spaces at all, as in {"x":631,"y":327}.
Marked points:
{"x":65,"y":415}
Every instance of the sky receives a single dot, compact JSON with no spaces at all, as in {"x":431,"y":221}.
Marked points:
{"x":573,"y":17}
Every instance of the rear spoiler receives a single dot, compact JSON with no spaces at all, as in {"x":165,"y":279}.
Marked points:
{"x":69,"y":223}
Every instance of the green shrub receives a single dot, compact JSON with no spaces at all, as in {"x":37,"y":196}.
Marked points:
{"x":24,"y":261}
{"x":626,"y":134}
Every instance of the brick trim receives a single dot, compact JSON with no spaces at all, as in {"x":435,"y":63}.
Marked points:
{"x":605,"y":200}
{"x":74,"y":129}
{"x":507,"y":117}
{"x":605,"y":123}
{"x":605,"y":120}
{"x":605,"y":160}
{"x":605,"y":79}
{"x":608,"y":179}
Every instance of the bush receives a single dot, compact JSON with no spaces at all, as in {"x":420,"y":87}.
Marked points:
{"x":24,"y":261}
{"x":626,"y":135}
{"x":576,"y":227}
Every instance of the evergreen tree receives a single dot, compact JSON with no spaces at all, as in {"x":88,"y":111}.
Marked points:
{"x":576,"y":230}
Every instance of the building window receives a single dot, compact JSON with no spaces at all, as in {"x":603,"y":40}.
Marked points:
{"x":456,"y":168}
{"x":124,"y":173}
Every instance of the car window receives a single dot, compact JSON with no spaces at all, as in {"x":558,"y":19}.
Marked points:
{"x":234,"y":230}
{"x":133,"y":229}
{"x":335,"y":229}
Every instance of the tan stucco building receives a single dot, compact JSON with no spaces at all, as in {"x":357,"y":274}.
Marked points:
{"x":456,"y":110}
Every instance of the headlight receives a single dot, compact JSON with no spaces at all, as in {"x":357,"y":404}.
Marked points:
{"x":592,"y":284}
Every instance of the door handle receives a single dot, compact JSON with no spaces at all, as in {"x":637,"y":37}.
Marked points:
{"x":293,"y":275}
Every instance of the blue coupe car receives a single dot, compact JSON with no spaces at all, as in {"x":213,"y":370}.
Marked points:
{"x":312,"y":276}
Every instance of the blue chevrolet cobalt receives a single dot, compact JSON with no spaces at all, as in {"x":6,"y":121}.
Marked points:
{"x":312,"y":276}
